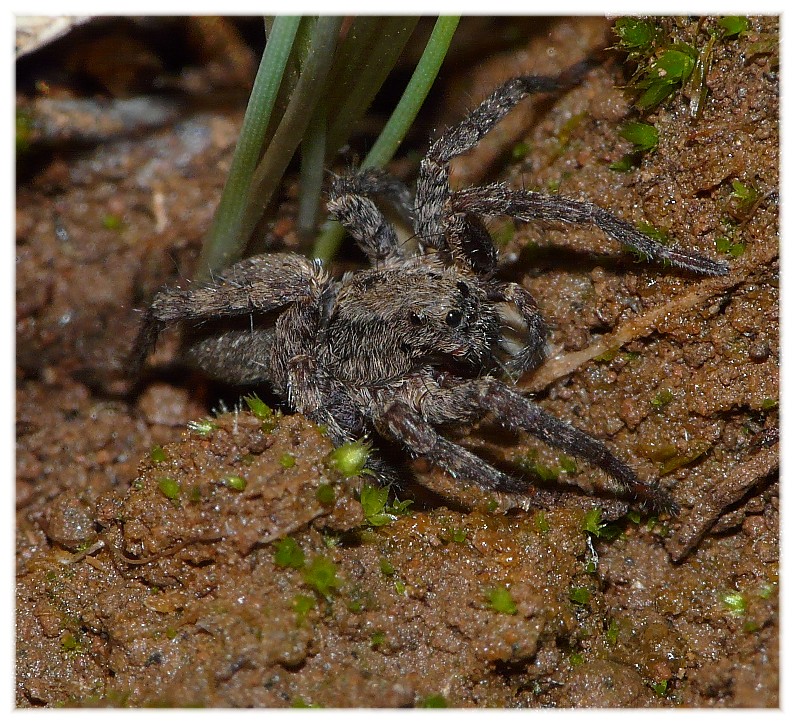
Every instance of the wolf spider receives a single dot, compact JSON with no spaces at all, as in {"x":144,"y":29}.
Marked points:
{"x":416,"y":341}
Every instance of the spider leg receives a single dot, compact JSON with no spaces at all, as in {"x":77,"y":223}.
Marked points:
{"x":257,"y":284}
{"x":467,"y":400}
{"x":498,"y":199}
{"x":432,"y":188}
{"x":533,"y":351}
{"x":350,"y":203}
{"x":403,"y":425}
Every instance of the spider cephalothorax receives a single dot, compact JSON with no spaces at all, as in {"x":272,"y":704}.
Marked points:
{"x":418,"y":340}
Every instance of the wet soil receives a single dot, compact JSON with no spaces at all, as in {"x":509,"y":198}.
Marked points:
{"x":172,"y":554}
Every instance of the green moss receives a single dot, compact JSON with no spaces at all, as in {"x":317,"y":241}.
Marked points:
{"x":386,"y":567}
{"x":726,"y":245}
{"x":377,"y":639}
{"x":258,"y":408}
{"x":458,"y":534}
{"x":635,"y":36}
{"x":529,"y":462}
{"x":303,"y":605}
{"x":735,"y":602}
{"x":576,"y":659}
{"x":350,"y":458}
{"x":733,"y":25}
{"x":157,"y":454}
{"x":744,"y":196}
{"x":433,"y":701}
{"x":643,"y":136}
{"x":24,"y":131}
{"x":112,"y":222}
{"x":662,"y":399}
{"x":660,"y":688}
{"x":579,"y":595}
{"x":520,"y":150}
{"x":541,"y":522}
{"x":696,"y":448}
{"x":289,"y":554}
{"x":234,"y":482}
{"x":626,"y":163}
{"x":567,"y":464}
{"x":325,"y":495}
{"x":592,"y":522}
{"x":373,"y":502}
{"x":70,"y":644}
{"x":377,"y":508}
{"x":504,"y":233}
{"x":500,"y":600}
{"x":202,"y":427}
{"x":612,"y":632}
{"x":169,"y":487}
{"x":320,"y":574}
{"x":607,"y":356}
{"x":287,"y":461}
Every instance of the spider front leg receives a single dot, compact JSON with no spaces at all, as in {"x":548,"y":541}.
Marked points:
{"x":432,"y":187}
{"x":350,"y":203}
{"x":257,"y":284}
{"x":459,"y":400}
{"x":498,"y":199}
{"x":533,"y":350}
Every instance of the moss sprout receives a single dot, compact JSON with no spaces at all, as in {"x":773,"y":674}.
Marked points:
{"x":157,"y":454}
{"x":734,"y":602}
{"x":579,"y":595}
{"x":258,"y":408}
{"x":320,"y":574}
{"x":501,"y":601}
{"x":350,"y":458}
{"x":287,"y":460}
{"x":662,"y":399}
{"x":169,"y":487}
{"x":435,"y":700}
{"x":325,"y":495}
{"x":202,"y":427}
{"x":289,"y":554}
{"x":235,"y":482}
{"x":643,"y":136}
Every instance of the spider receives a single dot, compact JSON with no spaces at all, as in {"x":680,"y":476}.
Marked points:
{"x":417,"y":342}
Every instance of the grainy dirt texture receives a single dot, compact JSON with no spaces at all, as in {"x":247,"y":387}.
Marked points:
{"x":230,"y":562}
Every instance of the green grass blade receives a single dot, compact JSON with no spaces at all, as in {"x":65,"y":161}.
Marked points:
{"x":224,"y":233}
{"x":404,"y":114}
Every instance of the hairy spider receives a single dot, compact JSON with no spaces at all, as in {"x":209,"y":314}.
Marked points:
{"x":417,"y":341}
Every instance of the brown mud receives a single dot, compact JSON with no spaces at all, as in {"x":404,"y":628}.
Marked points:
{"x":230,"y":563}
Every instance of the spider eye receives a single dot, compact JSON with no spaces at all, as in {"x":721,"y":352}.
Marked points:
{"x":414,"y":318}
{"x":463,"y":288}
{"x":453,"y":318}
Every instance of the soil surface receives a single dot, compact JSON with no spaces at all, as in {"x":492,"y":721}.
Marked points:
{"x":173,"y":553}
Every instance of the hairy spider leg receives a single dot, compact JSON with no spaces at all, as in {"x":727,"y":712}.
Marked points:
{"x":407,"y":427}
{"x":498,"y":199}
{"x":533,"y":350}
{"x":350,"y":203}
{"x":256,"y":284}
{"x":432,"y":189}
{"x":458,"y":400}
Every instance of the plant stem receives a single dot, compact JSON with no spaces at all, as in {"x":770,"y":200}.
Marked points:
{"x":224,"y":234}
{"x":404,"y":114}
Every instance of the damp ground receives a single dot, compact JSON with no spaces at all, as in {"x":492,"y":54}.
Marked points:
{"x":175,"y":547}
